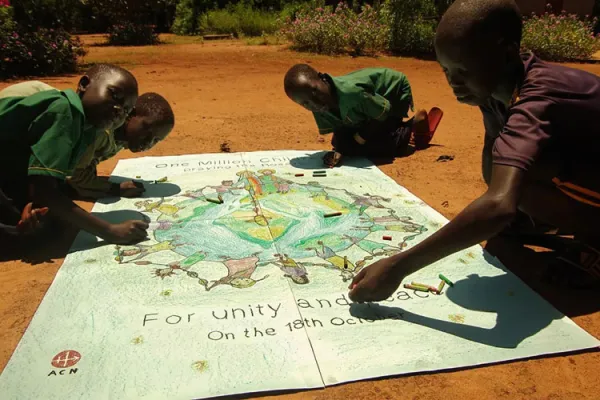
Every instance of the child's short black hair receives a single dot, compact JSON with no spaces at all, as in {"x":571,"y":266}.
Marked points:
{"x":155,"y":107}
{"x":298,"y":74}
{"x":98,"y":70}
{"x":472,"y":19}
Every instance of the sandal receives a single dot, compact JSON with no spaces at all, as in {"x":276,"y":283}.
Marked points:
{"x":425,"y":127}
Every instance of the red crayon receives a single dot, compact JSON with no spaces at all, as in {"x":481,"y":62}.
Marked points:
{"x":299,"y":175}
{"x":387,"y":238}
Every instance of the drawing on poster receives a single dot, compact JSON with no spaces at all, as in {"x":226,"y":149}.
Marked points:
{"x":259,"y":209}
{"x":260,"y":279}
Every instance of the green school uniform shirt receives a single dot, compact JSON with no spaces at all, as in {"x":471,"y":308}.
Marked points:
{"x":47,"y":128}
{"x":84,"y":179}
{"x":365,"y":95}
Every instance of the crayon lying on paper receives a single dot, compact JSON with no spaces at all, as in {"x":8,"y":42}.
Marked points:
{"x":161,"y":180}
{"x":430,"y":288}
{"x":334,"y":214}
{"x":441,"y":286}
{"x":299,"y":175}
{"x":216,"y":201}
{"x":387,"y":238}
{"x":417,"y":288}
{"x":345,"y":262}
{"x":448,"y":281}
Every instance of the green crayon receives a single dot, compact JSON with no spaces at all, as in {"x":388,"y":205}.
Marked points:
{"x":448,"y":281}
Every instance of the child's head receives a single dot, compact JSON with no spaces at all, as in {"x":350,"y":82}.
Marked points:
{"x":151,"y":122}
{"x":308,"y":88}
{"x":477,"y":43}
{"x":108,"y":94}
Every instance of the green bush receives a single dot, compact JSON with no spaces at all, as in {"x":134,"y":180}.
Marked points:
{"x":560,"y":37}
{"x":40,"y":53}
{"x":219,"y":21}
{"x":7,"y":24}
{"x":327,"y":31}
{"x":188,"y":14}
{"x":240,"y":19}
{"x":412,"y":25}
{"x":52,"y":14}
{"x":130,"y":34}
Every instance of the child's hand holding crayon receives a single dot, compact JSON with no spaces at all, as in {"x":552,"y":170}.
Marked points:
{"x":332,"y":158}
{"x":132,"y":189}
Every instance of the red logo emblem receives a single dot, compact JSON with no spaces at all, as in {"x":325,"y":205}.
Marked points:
{"x":66,"y":359}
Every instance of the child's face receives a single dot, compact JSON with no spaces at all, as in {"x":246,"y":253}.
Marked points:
{"x":473,"y":71}
{"x":314,"y":95}
{"x":142,"y":134}
{"x":108,"y":99}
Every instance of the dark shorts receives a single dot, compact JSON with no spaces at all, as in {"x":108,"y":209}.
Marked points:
{"x":390,"y":138}
{"x":553,"y":165}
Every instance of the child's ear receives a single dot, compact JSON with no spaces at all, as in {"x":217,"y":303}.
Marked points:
{"x":83,"y":84}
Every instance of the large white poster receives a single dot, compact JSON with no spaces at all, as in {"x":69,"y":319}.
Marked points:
{"x":242,"y":287}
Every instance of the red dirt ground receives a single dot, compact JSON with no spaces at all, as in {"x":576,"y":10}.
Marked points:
{"x":228,"y":91}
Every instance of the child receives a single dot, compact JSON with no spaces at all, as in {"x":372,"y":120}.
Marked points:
{"x":43,"y":136}
{"x":151,"y":122}
{"x":543,"y":138}
{"x":365,"y":110}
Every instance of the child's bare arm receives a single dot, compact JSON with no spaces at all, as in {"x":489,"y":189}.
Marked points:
{"x":45,"y":191}
{"x":481,"y":220}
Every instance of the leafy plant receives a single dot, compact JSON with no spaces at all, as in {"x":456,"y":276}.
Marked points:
{"x":412,"y":25}
{"x":40,"y":53}
{"x":327,"y":31}
{"x":130,"y":34}
{"x":561,"y":37}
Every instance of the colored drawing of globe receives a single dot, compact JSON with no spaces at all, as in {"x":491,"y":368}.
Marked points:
{"x":263,"y":214}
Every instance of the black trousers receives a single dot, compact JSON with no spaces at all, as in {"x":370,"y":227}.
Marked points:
{"x":389,"y":138}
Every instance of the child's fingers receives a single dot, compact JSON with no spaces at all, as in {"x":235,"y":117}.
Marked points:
{"x":26,"y":211}
{"x":357,"y":278}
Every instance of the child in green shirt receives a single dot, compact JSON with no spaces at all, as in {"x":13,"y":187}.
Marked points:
{"x":43,"y":136}
{"x":365,"y":111}
{"x":151,"y":122}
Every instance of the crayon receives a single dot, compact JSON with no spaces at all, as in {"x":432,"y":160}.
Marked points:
{"x":161,"y":180}
{"x":345,"y":262}
{"x":417,"y":288}
{"x":221,"y":199}
{"x":428,"y":287}
{"x":138,"y":177}
{"x":448,"y":281}
{"x":441,"y":286}
{"x":213,"y":200}
{"x":387,"y":238}
{"x":299,"y":175}
{"x":335,"y":214}
{"x":319,"y":172}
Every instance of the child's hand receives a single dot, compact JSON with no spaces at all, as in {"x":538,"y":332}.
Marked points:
{"x":127,"y":232}
{"x":30,"y":219}
{"x":132,"y":189}
{"x":332,"y":158}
